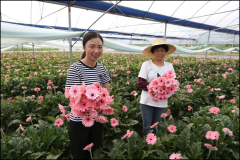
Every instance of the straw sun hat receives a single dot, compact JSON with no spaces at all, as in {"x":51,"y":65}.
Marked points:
{"x":158,"y":41}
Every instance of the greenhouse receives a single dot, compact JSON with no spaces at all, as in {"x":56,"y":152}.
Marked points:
{"x":119,"y":79}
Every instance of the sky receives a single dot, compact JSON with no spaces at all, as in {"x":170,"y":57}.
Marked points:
{"x":31,"y":12}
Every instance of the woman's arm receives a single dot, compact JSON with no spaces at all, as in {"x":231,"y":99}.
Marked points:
{"x":142,"y":84}
{"x":107,"y":86}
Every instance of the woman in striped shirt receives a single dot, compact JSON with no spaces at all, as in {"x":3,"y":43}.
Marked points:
{"x":89,"y":71}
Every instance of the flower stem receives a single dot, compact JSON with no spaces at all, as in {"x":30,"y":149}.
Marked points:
{"x":209,"y":153}
{"x":90,"y":152}
{"x":128,"y":150}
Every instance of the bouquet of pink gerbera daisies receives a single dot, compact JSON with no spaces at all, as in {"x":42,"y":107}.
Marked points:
{"x":161,"y":88}
{"x":88,"y":101}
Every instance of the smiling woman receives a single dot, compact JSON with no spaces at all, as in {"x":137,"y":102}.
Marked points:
{"x":87,"y":71}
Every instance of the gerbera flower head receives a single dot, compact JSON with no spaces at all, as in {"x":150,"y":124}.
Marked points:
{"x":97,"y":85}
{"x":175,"y":156}
{"x":88,"y":146}
{"x":154,"y":125}
{"x":215,"y":135}
{"x":124,"y":108}
{"x":93,"y":113}
{"x":168,"y":112}
{"x":227,"y":131}
{"x":108,"y":111}
{"x":151,"y":139}
{"x":208,"y":145}
{"x":28,"y":119}
{"x":21,"y":127}
{"x":74,"y":91}
{"x":88,"y":121}
{"x":114,"y":122}
{"x":214,"y":110}
{"x":161,"y":81}
{"x":82,"y":105}
{"x":101,"y":119}
{"x":172,"y":128}
{"x":171,"y":73}
{"x":102,"y":103}
{"x":208,"y":134}
{"x":61,"y":108}
{"x":58,"y":122}
{"x":103,"y":92}
{"x":92,"y":93}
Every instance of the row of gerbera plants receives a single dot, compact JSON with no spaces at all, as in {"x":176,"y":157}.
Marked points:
{"x":133,"y":112}
{"x":209,"y":133}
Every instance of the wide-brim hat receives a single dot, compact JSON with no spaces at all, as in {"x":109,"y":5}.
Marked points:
{"x":158,"y":41}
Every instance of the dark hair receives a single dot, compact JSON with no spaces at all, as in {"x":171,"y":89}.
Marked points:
{"x":87,"y":37}
{"x":164,"y":46}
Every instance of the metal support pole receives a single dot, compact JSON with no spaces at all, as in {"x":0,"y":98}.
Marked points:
{"x":22,"y":48}
{"x":33,"y":50}
{"x":70,"y":39}
{"x":232,"y":47}
{"x":165,"y":32}
{"x":206,"y":46}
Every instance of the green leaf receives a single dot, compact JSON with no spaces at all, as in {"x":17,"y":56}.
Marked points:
{"x":36,"y":155}
{"x":162,"y":154}
{"x":50,"y":118}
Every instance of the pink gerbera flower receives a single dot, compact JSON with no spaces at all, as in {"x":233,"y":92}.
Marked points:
{"x":168,"y":112}
{"x":61,"y":108}
{"x":88,"y":146}
{"x":58,"y":122}
{"x":82,"y":105}
{"x":161,"y":81}
{"x":221,"y":97}
{"x":208,"y":145}
{"x":74,"y":91}
{"x":227,"y":131}
{"x":168,"y":82}
{"x":102,"y":103}
{"x":175,"y":156}
{"x":188,"y":86}
{"x":214,"y":110}
{"x":108,"y":111}
{"x":93,"y":113}
{"x":124,"y":108}
{"x":151,"y":139}
{"x":168,"y":93}
{"x":154,"y":125}
{"x":208,"y":134}
{"x":67,"y":94}
{"x":21,"y":127}
{"x":163,"y":115}
{"x":88,"y":121}
{"x":189,"y":108}
{"x":190,"y":90}
{"x":103,"y":92}
{"x":215,"y":135}
{"x":97,"y":85}
{"x":92,"y":93}
{"x":101,"y":119}
{"x":172,"y":128}
{"x":171,"y":73}
{"x":232,"y":101}
{"x":28,"y":119}
{"x":214,"y":148}
{"x":114,"y":122}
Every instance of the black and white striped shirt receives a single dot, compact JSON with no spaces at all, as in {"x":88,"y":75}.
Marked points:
{"x":80,"y":72}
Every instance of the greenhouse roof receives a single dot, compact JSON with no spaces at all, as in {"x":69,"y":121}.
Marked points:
{"x":100,"y":31}
{"x":130,"y":12}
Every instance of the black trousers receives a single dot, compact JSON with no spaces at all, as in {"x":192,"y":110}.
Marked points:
{"x":81,"y":136}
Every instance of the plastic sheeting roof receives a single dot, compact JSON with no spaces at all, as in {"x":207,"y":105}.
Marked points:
{"x":102,"y":32}
{"x":130,"y":12}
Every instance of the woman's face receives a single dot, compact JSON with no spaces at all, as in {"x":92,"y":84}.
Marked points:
{"x":159,"y":53}
{"x":93,"y":49}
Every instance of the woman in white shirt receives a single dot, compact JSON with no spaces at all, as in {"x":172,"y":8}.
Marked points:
{"x":151,"y":111}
